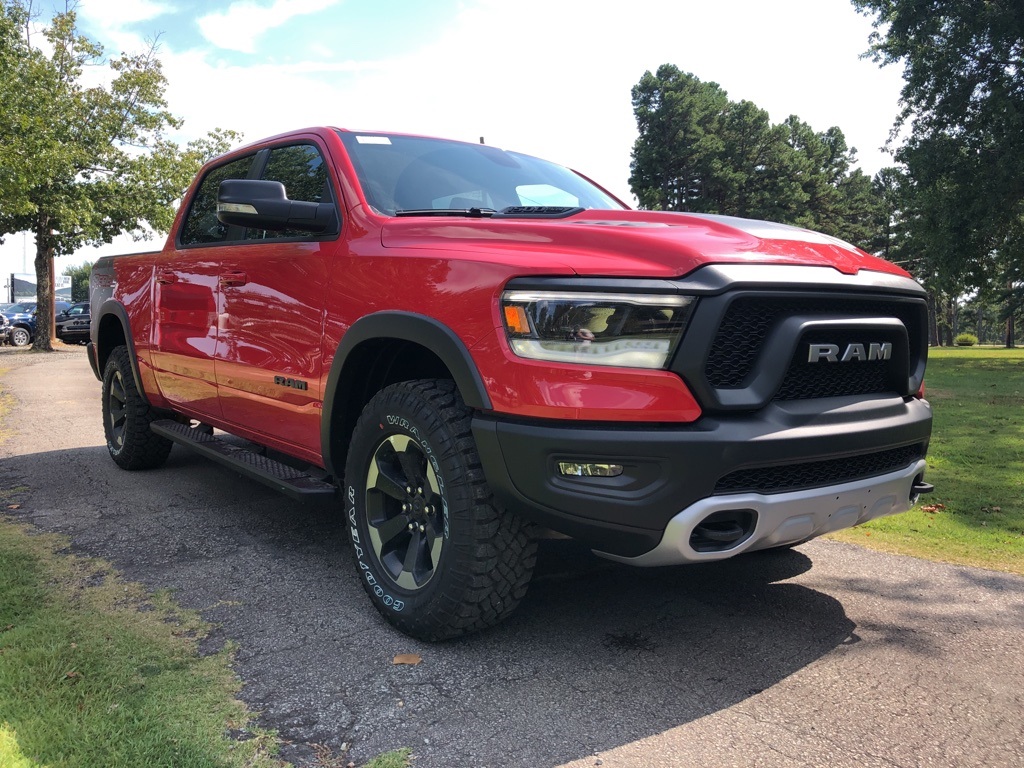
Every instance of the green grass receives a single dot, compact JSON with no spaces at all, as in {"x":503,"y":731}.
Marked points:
{"x":94,"y":672}
{"x":975,"y":461}
{"x":400,"y":758}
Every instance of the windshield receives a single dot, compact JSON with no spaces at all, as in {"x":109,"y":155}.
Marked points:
{"x":27,"y":308}
{"x":410,"y":173}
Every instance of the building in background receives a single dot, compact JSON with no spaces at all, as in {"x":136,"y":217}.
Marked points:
{"x":22,"y":287}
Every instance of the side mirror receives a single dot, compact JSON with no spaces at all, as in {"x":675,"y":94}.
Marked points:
{"x":265,"y":205}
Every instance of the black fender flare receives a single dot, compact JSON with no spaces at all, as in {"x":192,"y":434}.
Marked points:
{"x":115,"y":308}
{"x":415,"y":328}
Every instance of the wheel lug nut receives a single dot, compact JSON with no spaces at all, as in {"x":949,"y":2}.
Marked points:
{"x":405,"y":507}
{"x":412,"y":526}
{"x":408,"y":489}
{"x":419,"y":491}
{"x":422,"y":527}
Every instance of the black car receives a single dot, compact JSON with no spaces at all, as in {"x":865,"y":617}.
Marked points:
{"x":73,"y":324}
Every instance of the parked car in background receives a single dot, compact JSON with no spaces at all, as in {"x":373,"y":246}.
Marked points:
{"x":73,"y":324}
{"x":22,"y":318}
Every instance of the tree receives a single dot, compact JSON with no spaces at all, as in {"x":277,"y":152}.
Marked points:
{"x":79,"y":281}
{"x":698,"y":151}
{"x":754,"y":174}
{"x":963,"y":103}
{"x":81,"y":164}
{"x":678,"y":117}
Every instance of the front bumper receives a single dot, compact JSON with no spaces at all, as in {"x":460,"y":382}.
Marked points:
{"x":784,"y":518}
{"x":788,"y":456}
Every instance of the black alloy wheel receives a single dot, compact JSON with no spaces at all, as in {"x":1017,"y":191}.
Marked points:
{"x":405,"y":512}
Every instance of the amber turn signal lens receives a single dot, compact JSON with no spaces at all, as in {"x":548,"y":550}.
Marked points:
{"x":515,"y":319}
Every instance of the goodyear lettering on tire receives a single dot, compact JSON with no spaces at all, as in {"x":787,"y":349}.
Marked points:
{"x":389,"y":600}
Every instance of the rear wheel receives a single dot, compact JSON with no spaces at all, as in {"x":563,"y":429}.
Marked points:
{"x":127,"y":416}
{"x":436,"y":554}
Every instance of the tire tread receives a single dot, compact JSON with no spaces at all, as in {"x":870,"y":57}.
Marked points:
{"x":492,"y":570}
{"x":143,"y":449}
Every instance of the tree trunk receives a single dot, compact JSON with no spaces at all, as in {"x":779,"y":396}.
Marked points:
{"x":43,"y":339}
{"x":933,"y":324}
{"x":1010,"y":341}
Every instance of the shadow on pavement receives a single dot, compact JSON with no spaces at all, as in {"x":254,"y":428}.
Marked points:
{"x":598,"y":655}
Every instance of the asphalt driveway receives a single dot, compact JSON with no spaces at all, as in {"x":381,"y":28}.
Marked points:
{"x":824,"y":655}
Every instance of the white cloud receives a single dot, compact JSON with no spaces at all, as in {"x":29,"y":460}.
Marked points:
{"x":119,"y":13}
{"x":109,"y":21}
{"x":237,"y":28}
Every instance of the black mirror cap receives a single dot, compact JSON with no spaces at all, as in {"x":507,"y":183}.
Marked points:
{"x":265,"y":205}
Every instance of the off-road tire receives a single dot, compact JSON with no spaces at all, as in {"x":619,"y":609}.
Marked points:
{"x":434,"y":551}
{"x":126,"y":418}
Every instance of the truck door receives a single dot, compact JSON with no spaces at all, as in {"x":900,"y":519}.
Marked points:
{"x":187,"y":298}
{"x":272,"y":312}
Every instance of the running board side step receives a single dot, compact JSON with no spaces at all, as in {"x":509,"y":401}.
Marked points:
{"x":279,"y":476}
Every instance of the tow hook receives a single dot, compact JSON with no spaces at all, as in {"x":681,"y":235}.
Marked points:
{"x":919,"y":487}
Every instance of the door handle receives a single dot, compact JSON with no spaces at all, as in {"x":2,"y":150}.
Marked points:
{"x":166,"y":277}
{"x":229,"y":279}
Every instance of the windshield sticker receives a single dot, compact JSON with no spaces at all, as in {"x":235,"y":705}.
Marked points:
{"x":373,"y":139}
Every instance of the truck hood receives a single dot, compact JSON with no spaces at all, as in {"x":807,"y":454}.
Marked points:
{"x":629,"y":243}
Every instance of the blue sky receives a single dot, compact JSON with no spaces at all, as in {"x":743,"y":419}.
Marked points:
{"x":283,"y":31}
{"x":547,"y":77}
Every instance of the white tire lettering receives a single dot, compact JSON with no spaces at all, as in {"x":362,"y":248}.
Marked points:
{"x":388,"y":600}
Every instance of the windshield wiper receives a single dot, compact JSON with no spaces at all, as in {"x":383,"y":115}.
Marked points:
{"x":472,"y":213}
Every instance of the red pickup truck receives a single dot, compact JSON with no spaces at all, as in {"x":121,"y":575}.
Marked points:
{"x":466,"y":349}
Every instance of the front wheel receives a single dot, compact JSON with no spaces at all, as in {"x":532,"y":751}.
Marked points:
{"x":20,"y":337}
{"x":436,"y":554}
{"x":127,"y":416}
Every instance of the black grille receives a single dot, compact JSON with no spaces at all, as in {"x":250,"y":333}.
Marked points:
{"x":749,"y":320}
{"x":813,"y":474}
{"x":805,"y":379}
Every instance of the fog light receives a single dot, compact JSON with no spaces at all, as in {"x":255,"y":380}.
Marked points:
{"x":588,"y":469}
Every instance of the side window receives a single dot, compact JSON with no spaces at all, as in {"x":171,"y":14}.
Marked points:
{"x":303,"y":172}
{"x":201,"y":224}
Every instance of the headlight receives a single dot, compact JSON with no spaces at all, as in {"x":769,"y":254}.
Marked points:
{"x":621,"y":329}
